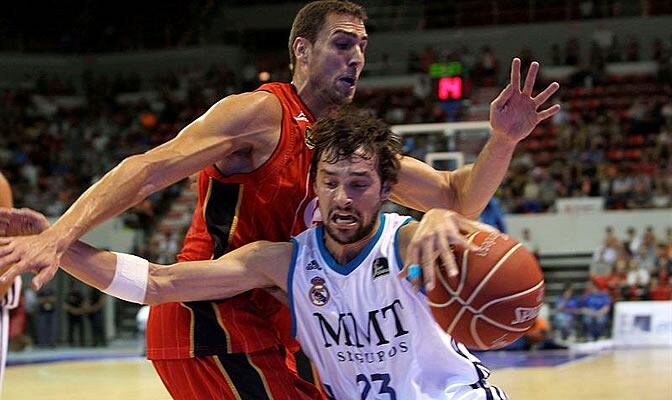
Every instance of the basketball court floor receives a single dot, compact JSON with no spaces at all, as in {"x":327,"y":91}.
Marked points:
{"x":641,"y":374}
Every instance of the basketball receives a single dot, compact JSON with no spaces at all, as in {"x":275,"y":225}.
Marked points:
{"x":496,"y":296}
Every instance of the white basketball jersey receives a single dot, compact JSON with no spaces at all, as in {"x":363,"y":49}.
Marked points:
{"x":369,"y":333}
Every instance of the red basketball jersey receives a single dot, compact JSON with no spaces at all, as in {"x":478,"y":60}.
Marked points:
{"x":271,"y":203}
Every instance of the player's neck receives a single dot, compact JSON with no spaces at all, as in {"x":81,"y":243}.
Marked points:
{"x":312,"y":97}
{"x":344,"y":253}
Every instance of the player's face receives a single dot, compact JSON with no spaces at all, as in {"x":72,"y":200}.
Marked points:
{"x":351,"y":194}
{"x":337,"y":57}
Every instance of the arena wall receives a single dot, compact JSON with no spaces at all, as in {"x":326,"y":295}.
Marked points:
{"x":582,"y":233}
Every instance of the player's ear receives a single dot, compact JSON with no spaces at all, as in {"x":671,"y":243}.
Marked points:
{"x":301,"y":48}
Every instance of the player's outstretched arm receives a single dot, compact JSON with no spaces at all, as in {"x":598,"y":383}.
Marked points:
{"x":513,"y":116}
{"x":249,"y":122}
{"x":134,"y":279}
{"x":256,"y":265}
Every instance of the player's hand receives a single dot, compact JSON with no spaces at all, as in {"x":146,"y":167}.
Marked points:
{"x":34,"y":253}
{"x":513,"y":114}
{"x":21,"y":222}
{"x":430,"y":245}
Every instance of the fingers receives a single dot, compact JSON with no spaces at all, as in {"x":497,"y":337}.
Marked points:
{"x":11,"y":266}
{"x":549,"y":112}
{"x":44,"y":277}
{"x":412,"y":255}
{"x":447,"y":257}
{"x":531,"y":78}
{"x":503,"y":97}
{"x":515,"y":74}
{"x":6,"y":248}
{"x":546,"y":94}
{"x":428,"y":267}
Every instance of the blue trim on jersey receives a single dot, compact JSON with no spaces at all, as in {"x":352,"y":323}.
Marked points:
{"x":397,"y":253}
{"x":355,"y":262}
{"x":290,"y":282}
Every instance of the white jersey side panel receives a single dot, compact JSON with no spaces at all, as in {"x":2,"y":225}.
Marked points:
{"x":369,"y":333}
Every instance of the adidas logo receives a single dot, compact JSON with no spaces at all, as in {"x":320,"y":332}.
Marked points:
{"x":301,"y":117}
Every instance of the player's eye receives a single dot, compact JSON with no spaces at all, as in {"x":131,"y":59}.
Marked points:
{"x":343,"y":45}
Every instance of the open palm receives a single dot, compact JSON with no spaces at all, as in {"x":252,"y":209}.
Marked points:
{"x":514,"y":112}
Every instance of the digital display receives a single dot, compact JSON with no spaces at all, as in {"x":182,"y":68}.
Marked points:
{"x":450,"y":88}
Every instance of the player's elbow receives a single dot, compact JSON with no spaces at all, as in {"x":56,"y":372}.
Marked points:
{"x":158,"y":285}
{"x":143,"y":172}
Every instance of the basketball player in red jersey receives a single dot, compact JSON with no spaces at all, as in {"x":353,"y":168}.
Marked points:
{"x":254,"y":186}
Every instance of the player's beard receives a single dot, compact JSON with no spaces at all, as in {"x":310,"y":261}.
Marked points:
{"x":360,"y":233}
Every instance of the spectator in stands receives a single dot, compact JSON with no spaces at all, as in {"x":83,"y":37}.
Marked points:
{"x":660,"y":290}
{"x":567,"y":309}
{"x":658,"y":50}
{"x":632,"y":50}
{"x":414,"y":64}
{"x":663,"y":261}
{"x":637,"y":275}
{"x":487,"y":67}
{"x":556,"y":55}
{"x":606,"y":254}
{"x":427,"y":58}
{"x":632,"y":242}
{"x":46,"y":318}
{"x":74,"y":307}
{"x":528,"y":242}
{"x":572,"y":53}
{"x":595,"y":308}
{"x":636,"y":287}
{"x":618,"y":277}
{"x":94,"y":313}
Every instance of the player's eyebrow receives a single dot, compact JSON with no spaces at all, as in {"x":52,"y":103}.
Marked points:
{"x":360,"y":173}
{"x":364,"y":38}
{"x":355,"y":173}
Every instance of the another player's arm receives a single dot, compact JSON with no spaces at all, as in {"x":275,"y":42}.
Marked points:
{"x":248,"y":122}
{"x":256,"y":265}
{"x":467,"y":190}
{"x":7,"y":201}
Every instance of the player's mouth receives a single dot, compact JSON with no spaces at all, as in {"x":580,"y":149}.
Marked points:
{"x":343,"y":220}
{"x":347,"y":82}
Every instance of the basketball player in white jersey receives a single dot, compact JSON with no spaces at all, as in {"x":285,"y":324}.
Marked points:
{"x":370,"y":334}
{"x":9,"y":294}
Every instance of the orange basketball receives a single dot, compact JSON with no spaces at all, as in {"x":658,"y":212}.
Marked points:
{"x":496,"y":296}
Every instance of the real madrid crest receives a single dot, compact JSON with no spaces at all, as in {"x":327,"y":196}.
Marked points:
{"x":319,"y":294}
{"x":308,"y":138}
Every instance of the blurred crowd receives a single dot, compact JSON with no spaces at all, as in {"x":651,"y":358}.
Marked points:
{"x":636,"y":267}
{"x":59,"y":138}
{"x":57,"y":141}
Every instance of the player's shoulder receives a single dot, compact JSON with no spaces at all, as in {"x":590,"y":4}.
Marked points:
{"x":257,"y":103}
{"x":249,"y":109}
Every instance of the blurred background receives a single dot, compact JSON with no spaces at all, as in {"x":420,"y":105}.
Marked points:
{"x":83,"y":84}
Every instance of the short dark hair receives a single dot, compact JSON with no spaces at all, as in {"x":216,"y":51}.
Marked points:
{"x":340,"y":134}
{"x":310,"y":19}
